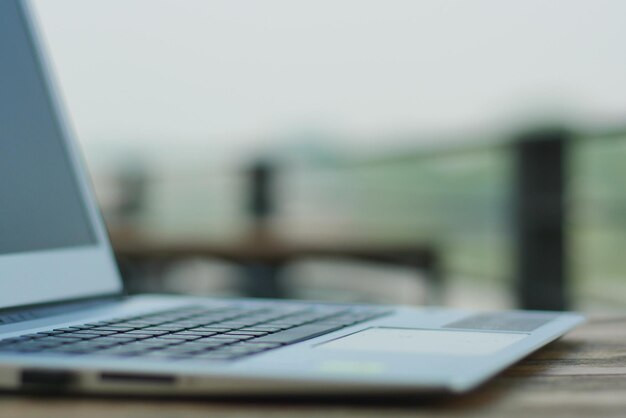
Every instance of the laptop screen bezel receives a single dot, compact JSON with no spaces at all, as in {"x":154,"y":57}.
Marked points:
{"x":59,"y":274}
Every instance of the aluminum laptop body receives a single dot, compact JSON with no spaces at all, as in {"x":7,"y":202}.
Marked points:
{"x":58,"y":281}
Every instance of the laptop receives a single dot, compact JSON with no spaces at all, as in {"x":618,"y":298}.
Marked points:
{"x":66,"y":325}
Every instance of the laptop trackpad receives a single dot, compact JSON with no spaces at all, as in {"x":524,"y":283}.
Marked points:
{"x":425,"y":341}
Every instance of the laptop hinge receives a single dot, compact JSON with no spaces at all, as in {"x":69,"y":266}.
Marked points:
{"x":32,"y":312}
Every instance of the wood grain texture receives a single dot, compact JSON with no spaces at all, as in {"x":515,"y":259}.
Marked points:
{"x":581,"y":375}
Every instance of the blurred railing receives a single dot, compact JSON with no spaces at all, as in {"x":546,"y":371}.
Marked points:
{"x":517,"y":206}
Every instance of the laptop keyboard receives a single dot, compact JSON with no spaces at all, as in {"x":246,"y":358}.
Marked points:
{"x":194,"y":332}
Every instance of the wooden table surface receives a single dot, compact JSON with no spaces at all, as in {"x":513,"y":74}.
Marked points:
{"x":581,"y":375}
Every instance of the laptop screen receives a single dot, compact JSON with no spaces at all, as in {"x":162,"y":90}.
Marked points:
{"x":53,"y":246}
{"x":40,"y":203}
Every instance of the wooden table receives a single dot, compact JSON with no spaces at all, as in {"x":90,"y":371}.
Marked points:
{"x":581,"y":375}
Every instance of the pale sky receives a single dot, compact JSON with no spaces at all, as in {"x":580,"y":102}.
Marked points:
{"x":231,"y":76}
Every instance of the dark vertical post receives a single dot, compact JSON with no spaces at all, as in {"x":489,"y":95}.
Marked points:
{"x":132,"y":180}
{"x":261,"y":192}
{"x":262,"y":279}
{"x":540,"y":213}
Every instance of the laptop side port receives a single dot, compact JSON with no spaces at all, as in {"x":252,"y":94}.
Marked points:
{"x":160,"y":379}
{"x":47,"y":379}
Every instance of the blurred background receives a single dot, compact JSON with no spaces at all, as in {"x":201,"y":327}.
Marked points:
{"x":464,"y":153}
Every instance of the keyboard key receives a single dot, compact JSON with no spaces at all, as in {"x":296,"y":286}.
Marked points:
{"x":60,"y":339}
{"x":244,"y":332}
{"x":261,"y":329}
{"x":166,"y":328}
{"x":221,"y":340}
{"x":202,"y":334}
{"x":112,"y":328}
{"x":146,"y":332}
{"x":272,"y":326}
{"x":234,"y":335}
{"x":127,"y":337}
{"x":211,"y":329}
{"x":67,"y":329}
{"x":297,"y":334}
{"x":133,"y":325}
{"x":94,"y":332}
{"x":111,"y":340}
{"x":78,"y":336}
{"x":178,"y":336}
{"x":48,"y":333}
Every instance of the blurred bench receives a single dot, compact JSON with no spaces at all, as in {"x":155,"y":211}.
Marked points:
{"x":262,"y":256}
{"x":263,"y":259}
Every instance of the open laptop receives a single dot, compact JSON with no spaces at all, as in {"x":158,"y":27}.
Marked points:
{"x":66,"y":325}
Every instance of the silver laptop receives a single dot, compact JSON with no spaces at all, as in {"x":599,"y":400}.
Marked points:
{"x":65,"y":324}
